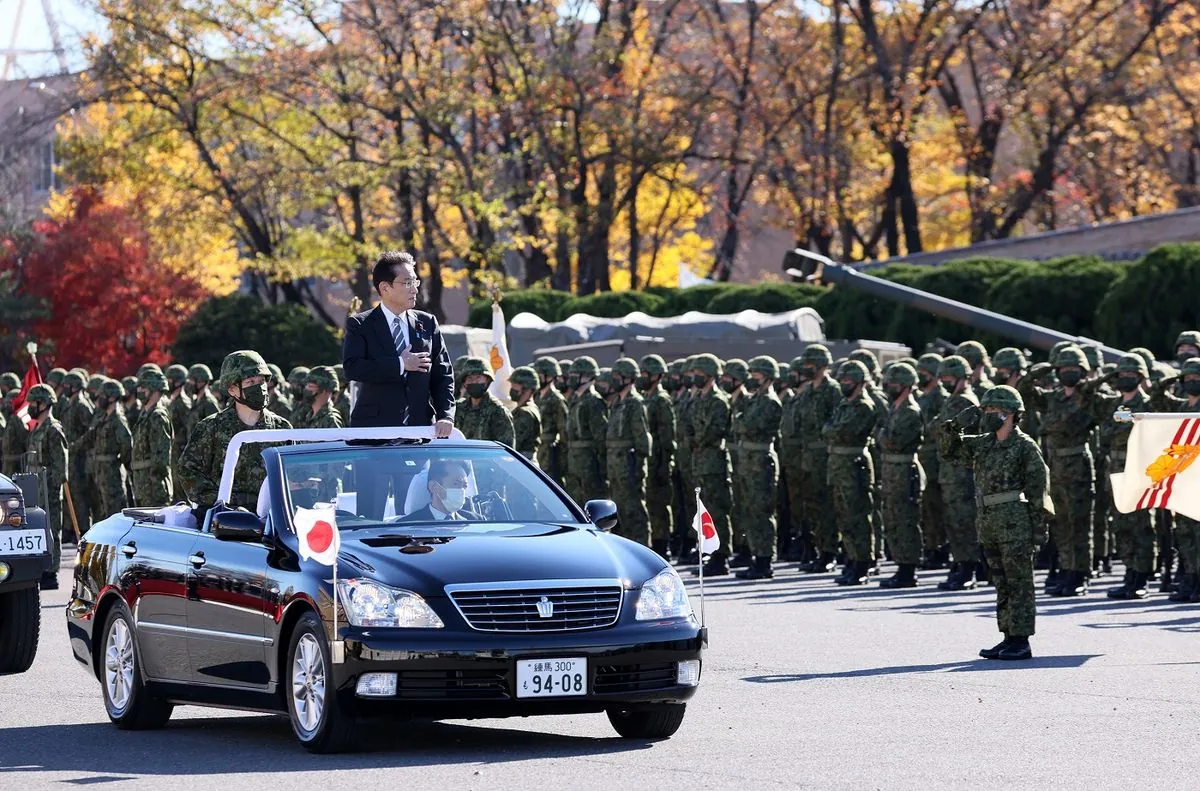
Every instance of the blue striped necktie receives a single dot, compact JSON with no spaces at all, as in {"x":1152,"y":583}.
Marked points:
{"x":398,"y":336}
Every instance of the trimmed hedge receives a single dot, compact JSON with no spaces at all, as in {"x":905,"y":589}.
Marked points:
{"x":613,"y":304}
{"x":1154,"y":301}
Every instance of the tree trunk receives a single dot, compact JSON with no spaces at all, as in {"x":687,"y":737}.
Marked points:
{"x":635,"y":241}
{"x":902,"y":189}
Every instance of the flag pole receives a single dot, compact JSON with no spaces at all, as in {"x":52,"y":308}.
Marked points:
{"x":337,"y":648}
{"x":700,"y":555}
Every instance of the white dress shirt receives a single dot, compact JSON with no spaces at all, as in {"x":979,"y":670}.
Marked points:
{"x":439,"y":515}
{"x":391,"y":322}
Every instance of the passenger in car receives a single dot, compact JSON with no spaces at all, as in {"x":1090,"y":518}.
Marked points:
{"x":448,"y":494}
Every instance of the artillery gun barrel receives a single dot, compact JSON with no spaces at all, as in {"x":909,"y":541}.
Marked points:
{"x":1022,"y":332}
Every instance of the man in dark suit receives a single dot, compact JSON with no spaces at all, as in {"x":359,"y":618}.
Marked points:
{"x":396,"y":356}
{"x":447,"y":495}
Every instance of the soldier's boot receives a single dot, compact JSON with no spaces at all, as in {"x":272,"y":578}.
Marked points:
{"x":1016,"y":650}
{"x":905,"y":577}
{"x":717,"y":566}
{"x":847,"y":573}
{"x":1054,"y":581}
{"x":661,"y":546}
{"x":1126,"y":589}
{"x":822,"y":564}
{"x":740,"y":560}
{"x":966,"y":577}
{"x":760,"y":569}
{"x":49,"y":581}
{"x":856,"y":574}
{"x":982,"y":573}
{"x":1139,"y":590}
{"x":1187,"y":586}
{"x":946,"y":584}
{"x":994,"y":651}
{"x":1075,"y":585}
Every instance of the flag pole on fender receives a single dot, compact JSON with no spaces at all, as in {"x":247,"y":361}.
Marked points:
{"x":707,"y":542}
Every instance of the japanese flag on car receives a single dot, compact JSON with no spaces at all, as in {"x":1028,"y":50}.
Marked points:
{"x":319,"y":536}
{"x":706,"y":533}
{"x":1160,"y":469}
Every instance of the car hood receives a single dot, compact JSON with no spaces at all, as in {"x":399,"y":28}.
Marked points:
{"x":426,"y":562}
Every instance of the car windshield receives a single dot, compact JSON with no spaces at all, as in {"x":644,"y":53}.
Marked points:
{"x":372,"y":485}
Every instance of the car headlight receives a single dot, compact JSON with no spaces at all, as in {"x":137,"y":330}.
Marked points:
{"x":368,"y":603}
{"x":663,"y":596}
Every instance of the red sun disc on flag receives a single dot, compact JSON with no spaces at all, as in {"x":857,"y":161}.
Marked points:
{"x":320,"y":537}
{"x":706,"y":525}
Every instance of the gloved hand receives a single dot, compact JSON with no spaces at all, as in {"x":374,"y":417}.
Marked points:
{"x":968,"y":418}
{"x":1040,"y":370}
{"x":1164,"y":384}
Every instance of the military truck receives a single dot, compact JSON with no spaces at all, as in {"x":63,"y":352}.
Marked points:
{"x":24,"y":558}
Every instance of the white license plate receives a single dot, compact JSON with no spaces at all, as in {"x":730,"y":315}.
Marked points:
{"x":22,"y":542}
{"x":551,"y":678}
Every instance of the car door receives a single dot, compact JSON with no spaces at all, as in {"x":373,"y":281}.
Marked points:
{"x":152,"y":557}
{"x":227,"y":613}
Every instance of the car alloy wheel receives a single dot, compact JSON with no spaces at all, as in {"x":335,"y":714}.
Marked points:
{"x":128,"y":701}
{"x":118,"y":665}
{"x":308,"y":683}
{"x":322,"y":720}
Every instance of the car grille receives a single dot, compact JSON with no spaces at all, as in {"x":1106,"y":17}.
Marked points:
{"x":451,"y":685}
{"x":612,"y":679}
{"x":516,"y":609}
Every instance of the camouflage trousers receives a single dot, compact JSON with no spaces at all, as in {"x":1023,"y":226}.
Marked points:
{"x":627,"y":486}
{"x":1187,"y":540}
{"x":686,"y":507}
{"x":902,"y":483}
{"x":659,"y":493}
{"x":552,"y":459}
{"x":758,"y":474}
{"x":852,"y":486}
{"x":177,"y":493}
{"x":80,"y":490}
{"x":811,"y":498}
{"x":54,"y":519}
{"x":958,"y":508}
{"x":150,"y":489}
{"x":933,"y":528}
{"x":108,"y":483}
{"x":1103,"y":538}
{"x":585,"y":477}
{"x":1010,"y":567}
{"x":1134,"y":537}
{"x":877,"y":516}
{"x":1073,"y":489}
{"x":716,"y":494}
{"x":738,"y":502}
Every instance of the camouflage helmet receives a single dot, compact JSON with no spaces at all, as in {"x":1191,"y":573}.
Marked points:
{"x":565,"y":366}
{"x":547,"y":366}
{"x":55,"y":377}
{"x":176,"y":374}
{"x":1003,"y":397}
{"x":626,"y":368}
{"x":1072,"y":356}
{"x":43,"y":393}
{"x":736,"y":368}
{"x":707,"y":364}
{"x":929,"y":363}
{"x":95,"y":382}
{"x":868,"y":359}
{"x":297,"y":376}
{"x":1058,"y":347}
{"x":1133,"y":364}
{"x":901,"y":374}
{"x":12,"y":394}
{"x":973,"y":352}
{"x":853,"y":369}
{"x":604,"y":377}
{"x":457,"y":365}
{"x":817,"y":354}
{"x":525,"y":377}
{"x":1144,"y":353}
{"x":1010,"y":358}
{"x":654,"y":365}
{"x":1188,"y":338}
{"x":911,"y":362}
{"x":200,"y":372}
{"x":147,"y":367}
{"x":74,"y":380}
{"x":9,"y":381}
{"x":130,"y":384}
{"x":955,"y":366}
{"x":762,"y":364}
{"x":476,"y":366}
{"x":111,"y":388}
{"x":153,"y":380}
{"x":1190,"y":366}
{"x":240,"y":365}
{"x":1092,"y":355}
{"x":324,"y":377}
{"x":276,"y":374}
{"x":83,"y":372}
{"x":676,"y":367}
{"x":585,"y":367}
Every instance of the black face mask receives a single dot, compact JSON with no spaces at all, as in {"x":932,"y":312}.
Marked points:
{"x":847,"y":389}
{"x":545,"y":381}
{"x":573,"y":381}
{"x":1182,"y":357}
{"x":515,"y":394}
{"x":1001,"y":376}
{"x":602,"y":390}
{"x":894,"y":392}
{"x":477,"y":389}
{"x":923,"y":380}
{"x":101,"y":403}
{"x":1070,"y":378}
{"x":808,"y":374}
{"x":197,"y":388}
{"x":1191,"y":387}
{"x":1127,"y":384}
{"x":699,"y":381}
{"x":618,"y":384}
{"x":643,"y":383}
{"x":950,"y":385}
{"x":991,"y":422}
{"x":673,"y":383}
{"x":794,"y":380}
{"x":752,"y":385}
{"x":254,"y":397}
{"x":728,"y":386}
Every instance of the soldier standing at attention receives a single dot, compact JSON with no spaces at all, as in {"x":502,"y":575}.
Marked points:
{"x":957,"y":480}
{"x":790,"y":450}
{"x":930,"y":398}
{"x":54,"y":379}
{"x":604,"y":387}
{"x":552,"y":408}
{"x":48,"y":452}
{"x":868,"y":358}
{"x":481,"y":415}
{"x":899,"y":439}
{"x":153,"y":438}
{"x":341,"y":401}
{"x":684,"y":402}
{"x":975,"y":353}
{"x":660,"y":421}
{"x":1011,"y":479}
{"x":244,"y":378}
{"x":733,"y":377}
{"x":77,"y":417}
{"x":16,"y":436}
{"x":320,"y":385}
{"x":527,"y":419}
{"x":296,"y":379}
{"x":758,"y":467}
{"x":130,"y":404}
{"x":203,"y":403}
{"x":278,"y":400}
{"x":179,"y":405}
{"x":628,"y":446}
{"x":710,"y":419}
{"x":851,"y":475}
{"x":109,"y":445}
{"x":816,"y":399}
{"x":587,"y":428}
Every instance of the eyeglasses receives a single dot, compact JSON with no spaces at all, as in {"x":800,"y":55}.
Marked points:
{"x":410,"y":283}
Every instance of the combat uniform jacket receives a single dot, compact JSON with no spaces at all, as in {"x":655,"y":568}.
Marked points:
{"x":627,"y":440}
{"x":486,"y":420}
{"x":48,"y":451}
{"x":204,"y":459}
{"x":954,"y":473}
{"x":325,"y":417}
{"x":279,"y":402}
{"x":203,"y":406}
{"x":153,"y":437}
{"x":527,"y":429}
{"x":14,"y":446}
{"x":660,"y":421}
{"x":1011,"y":483}
{"x":109,"y":447}
{"x":551,"y":453}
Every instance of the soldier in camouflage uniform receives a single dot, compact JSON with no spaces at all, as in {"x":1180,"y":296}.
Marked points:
{"x":278,"y":399}
{"x":16,"y":436}
{"x":760,"y":413}
{"x":976,"y":356}
{"x":899,"y":438}
{"x":1187,"y":346}
{"x":956,"y":478}
{"x":872,"y":388}
{"x":587,"y":429}
{"x":1068,"y":417}
{"x":342,"y":401}
{"x":320,"y":385}
{"x":560,"y":381}
{"x":797,"y":534}
{"x":244,"y":377}
{"x":204,"y":404}
{"x":710,"y":420}
{"x":76,"y":418}
{"x":684,"y":401}
{"x":480,"y":415}
{"x":604,"y":387}
{"x":851,"y":475}
{"x":48,"y":456}
{"x":733,"y":376}
{"x":109,"y":447}
{"x":153,"y":438}
{"x":130,"y":403}
{"x":296,"y":379}
{"x":660,"y":421}
{"x":1186,"y":530}
{"x":457,"y":369}
{"x":628,"y":446}
{"x":1011,"y":480}
{"x":931,"y":396}
{"x":527,"y":419}
{"x":1101,"y":562}
{"x":817,"y":396}
{"x":54,"y":379}
{"x":179,"y":406}
{"x":552,"y":408}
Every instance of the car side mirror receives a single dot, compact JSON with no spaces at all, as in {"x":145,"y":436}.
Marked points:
{"x":603,"y":513}
{"x":238,"y":526}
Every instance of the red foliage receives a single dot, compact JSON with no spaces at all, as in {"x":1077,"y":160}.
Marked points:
{"x":112,"y":305}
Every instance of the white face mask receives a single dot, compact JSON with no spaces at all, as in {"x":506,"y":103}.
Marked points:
{"x":453,"y":499}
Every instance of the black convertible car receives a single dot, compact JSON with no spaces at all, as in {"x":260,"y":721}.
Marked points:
{"x":521,"y":604}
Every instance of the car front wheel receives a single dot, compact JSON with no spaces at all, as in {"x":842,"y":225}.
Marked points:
{"x":129,"y":704}
{"x":651,"y":722}
{"x":20,"y":621}
{"x":319,"y":720}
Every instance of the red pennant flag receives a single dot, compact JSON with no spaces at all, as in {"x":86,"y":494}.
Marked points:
{"x":33,"y":376}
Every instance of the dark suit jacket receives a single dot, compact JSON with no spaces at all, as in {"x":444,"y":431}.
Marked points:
{"x":426,"y":515}
{"x":385,"y":397}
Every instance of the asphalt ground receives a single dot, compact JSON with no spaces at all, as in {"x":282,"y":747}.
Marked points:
{"x":805,"y":685}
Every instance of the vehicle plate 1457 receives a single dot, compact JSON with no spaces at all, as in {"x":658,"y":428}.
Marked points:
{"x":551,"y":678}
{"x":22,"y":542}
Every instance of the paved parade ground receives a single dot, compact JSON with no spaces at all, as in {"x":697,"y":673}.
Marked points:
{"x":805,"y":686}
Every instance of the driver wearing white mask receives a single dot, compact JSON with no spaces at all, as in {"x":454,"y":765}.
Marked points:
{"x":448,"y":495}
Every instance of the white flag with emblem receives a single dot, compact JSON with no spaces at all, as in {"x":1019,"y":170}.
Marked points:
{"x":1159,"y":466}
